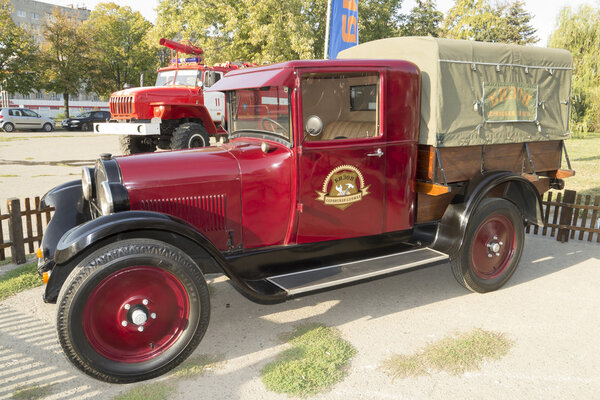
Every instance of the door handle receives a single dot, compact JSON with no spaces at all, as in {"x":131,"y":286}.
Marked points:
{"x":378,"y":153}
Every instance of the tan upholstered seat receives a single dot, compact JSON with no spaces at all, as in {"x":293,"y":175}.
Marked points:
{"x":349,"y":130}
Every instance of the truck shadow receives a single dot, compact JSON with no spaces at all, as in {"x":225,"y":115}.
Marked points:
{"x":62,"y":163}
{"x":244,"y":331}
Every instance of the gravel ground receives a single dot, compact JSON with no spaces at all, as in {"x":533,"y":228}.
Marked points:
{"x":549,"y":310}
{"x":31,"y":163}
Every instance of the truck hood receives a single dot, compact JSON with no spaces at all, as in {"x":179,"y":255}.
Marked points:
{"x":181,"y":173}
{"x":154,"y":93}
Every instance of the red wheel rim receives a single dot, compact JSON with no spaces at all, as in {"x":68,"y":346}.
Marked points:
{"x":136,"y":314}
{"x":493,"y":246}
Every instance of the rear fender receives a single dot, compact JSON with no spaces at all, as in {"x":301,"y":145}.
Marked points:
{"x":515,"y":188}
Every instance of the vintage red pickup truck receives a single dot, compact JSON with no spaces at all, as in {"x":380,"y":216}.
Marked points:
{"x":408,"y":152}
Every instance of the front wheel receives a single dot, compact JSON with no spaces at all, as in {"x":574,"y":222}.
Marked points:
{"x":132,"y":311}
{"x":492,"y":247}
{"x":86,"y":127}
{"x":47,"y":127}
{"x":189,"y":136}
{"x":132,"y":144}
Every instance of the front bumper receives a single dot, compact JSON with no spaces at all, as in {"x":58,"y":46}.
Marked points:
{"x":128,"y":128}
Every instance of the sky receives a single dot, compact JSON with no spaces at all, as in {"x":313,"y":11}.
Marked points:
{"x":544,"y":11}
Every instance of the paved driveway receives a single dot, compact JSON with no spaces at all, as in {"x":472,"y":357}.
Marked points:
{"x":31,"y":163}
{"x":550,"y":309}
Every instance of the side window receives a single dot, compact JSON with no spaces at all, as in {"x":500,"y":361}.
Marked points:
{"x":29,"y":113}
{"x":338,"y":106}
{"x":11,"y":112}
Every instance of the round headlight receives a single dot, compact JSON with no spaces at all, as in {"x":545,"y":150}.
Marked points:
{"x":87,"y":183}
{"x":105,"y":199}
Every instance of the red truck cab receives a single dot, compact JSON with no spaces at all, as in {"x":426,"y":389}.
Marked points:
{"x":175,"y":113}
{"x":316,"y":189}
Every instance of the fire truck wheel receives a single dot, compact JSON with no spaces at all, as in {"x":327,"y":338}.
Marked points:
{"x":492,"y":247}
{"x":188,"y":136}
{"x":132,"y":144}
{"x":8,"y":127}
{"x":132,"y":311}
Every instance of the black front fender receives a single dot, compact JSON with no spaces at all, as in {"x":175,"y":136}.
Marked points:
{"x":70,"y":211}
{"x":517,"y":189}
{"x":82,"y":237}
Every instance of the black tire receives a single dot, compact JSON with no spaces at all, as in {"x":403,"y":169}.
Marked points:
{"x":492,"y":247}
{"x":189,"y":135}
{"x":132,"y":144}
{"x":47,"y":127}
{"x":8,"y":127}
{"x":98,"y":293}
{"x":85,"y":127}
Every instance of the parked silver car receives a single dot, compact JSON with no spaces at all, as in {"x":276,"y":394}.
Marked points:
{"x":23,"y":119}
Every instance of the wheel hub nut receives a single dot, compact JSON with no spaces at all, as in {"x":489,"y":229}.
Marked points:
{"x":138,"y":317}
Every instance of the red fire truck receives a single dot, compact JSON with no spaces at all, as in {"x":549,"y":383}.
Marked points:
{"x":176,"y":113}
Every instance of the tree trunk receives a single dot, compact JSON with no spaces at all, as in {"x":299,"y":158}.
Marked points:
{"x":66,"y":103}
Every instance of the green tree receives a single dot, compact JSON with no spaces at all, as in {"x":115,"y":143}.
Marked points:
{"x":579,"y":32}
{"x":482,"y":21}
{"x":18,"y":55}
{"x":424,"y":20}
{"x":517,"y":24}
{"x":378,"y":19}
{"x":63,"y":56}
{"x":119,"y":51}
{"x":265,"y":31}
{"x":472,"y":20}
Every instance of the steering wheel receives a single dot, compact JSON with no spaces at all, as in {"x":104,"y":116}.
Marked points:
{"x":266,"y":120}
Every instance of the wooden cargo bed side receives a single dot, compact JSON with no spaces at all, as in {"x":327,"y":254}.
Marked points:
{"x":460,"y":164}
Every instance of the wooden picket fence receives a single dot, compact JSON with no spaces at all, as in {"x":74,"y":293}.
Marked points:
{"x":570,"y":216}
{"x":25,"y":228}
{"x":566,"y":216}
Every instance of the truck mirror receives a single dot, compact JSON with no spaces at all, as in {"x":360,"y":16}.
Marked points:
{"x":314,"y":125}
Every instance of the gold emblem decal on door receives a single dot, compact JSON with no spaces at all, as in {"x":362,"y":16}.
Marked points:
{"x":343,"y":187}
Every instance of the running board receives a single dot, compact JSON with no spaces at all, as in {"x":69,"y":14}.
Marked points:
{"x":340,"y":274}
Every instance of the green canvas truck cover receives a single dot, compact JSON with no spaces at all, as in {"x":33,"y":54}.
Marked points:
{"x":476,"y":93}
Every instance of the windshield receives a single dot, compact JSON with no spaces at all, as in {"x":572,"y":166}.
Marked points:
{"x":84,"y":115}
{"x":181,"y":77}
{"x":260,"y":111}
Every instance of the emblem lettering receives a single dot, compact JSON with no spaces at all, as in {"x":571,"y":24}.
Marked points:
{"x":344,"y":186}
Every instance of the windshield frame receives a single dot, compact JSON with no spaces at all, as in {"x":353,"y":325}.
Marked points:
{"x":264,"y":134}
{"x":173,"y":75}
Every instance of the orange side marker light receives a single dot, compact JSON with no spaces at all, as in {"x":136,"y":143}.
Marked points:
{"x":46,"y":277}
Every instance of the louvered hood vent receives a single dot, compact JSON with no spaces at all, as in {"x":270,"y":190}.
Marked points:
{"x":207,"y":213}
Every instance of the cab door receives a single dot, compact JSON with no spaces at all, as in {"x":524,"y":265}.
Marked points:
{"x":342,"y":156}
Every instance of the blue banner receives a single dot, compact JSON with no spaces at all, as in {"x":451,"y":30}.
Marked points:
{"x":343,"y":29}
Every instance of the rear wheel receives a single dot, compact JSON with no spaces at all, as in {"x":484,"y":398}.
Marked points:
{"x":8,"y":127}
{"x":492,"y":247}
{"x":132,"y":310}
{"x":189,"y":136}
{"x":132,"y":144}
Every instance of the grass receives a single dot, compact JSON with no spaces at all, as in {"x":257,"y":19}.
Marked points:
{"x":149,"y":391}
{"x":9,"y":176}
{"x":198,"y":365}
{"x":8,"y":260}
{"x":455,"y":355}
{"x":19,"y":279}
{"x":32,"y":392}
{"x":317,"y":359}
{"x":10,"y":139}
{"x":584,"y":154}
